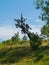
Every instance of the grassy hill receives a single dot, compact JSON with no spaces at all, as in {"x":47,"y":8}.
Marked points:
{"x":20,"y":53}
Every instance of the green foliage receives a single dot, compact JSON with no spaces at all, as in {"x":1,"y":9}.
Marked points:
{"x":44,"y":6}
{"x":34,"y":39}
{"x":6,"y":41}
{"x":20,"y":23}
{"x":15,"y":37}
{"x":35,"y":42}
{"x":24,"y":38}
{"x":45,"y":30}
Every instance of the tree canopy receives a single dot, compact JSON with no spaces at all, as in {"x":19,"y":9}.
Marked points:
{"x":34,"y":39}
{"x":43,"y":5}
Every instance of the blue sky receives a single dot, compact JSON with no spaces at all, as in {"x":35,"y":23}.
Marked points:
{"x":11,"y":9}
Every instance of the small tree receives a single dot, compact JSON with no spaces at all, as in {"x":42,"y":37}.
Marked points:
{"x":34,"y":39}
{"x":24,"y":38}
{"x":15,"y":37}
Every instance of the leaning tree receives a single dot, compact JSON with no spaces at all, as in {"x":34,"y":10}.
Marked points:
{"x":35,"y":41}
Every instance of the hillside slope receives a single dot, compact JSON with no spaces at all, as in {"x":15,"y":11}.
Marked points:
{"x":21,"y":54}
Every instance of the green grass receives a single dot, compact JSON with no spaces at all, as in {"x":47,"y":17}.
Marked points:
{"x":21,"y":54}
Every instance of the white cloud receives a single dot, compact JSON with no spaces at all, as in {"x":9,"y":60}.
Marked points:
{"x":35,"y":29}
{"x":37,"y":20}
{"x":6,"y":32}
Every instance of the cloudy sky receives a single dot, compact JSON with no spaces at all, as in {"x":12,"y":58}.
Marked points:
{"x":11,"y":9}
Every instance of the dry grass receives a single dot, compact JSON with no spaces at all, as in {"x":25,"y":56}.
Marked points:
{"x":21,"y":54}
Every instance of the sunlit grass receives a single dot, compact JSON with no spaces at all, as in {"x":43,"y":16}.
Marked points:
{"x":20,"y":54}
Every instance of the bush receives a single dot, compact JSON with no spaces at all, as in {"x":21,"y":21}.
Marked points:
{"x":35,"y":42}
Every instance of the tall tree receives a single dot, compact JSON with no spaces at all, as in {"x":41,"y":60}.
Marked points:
{"x":44,"y":6}
{"x":34,"y":39}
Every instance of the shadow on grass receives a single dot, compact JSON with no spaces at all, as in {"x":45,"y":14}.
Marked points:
{"x":40,"y":53}
{"x":13,"y":55}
